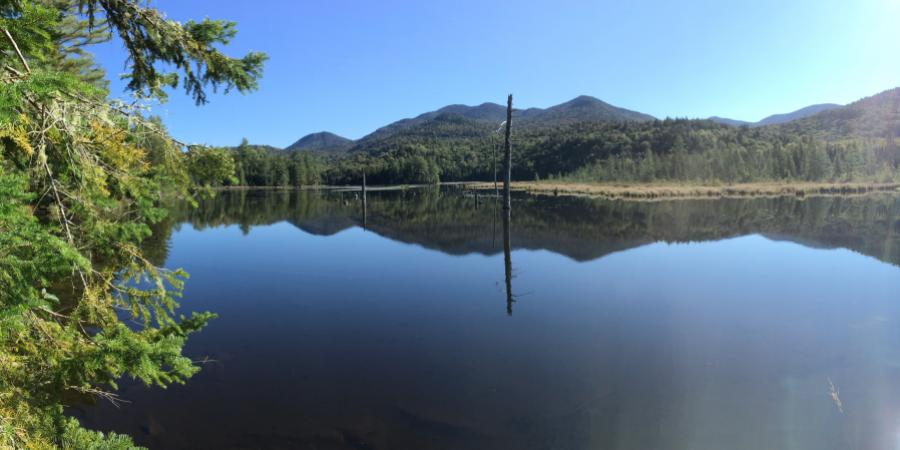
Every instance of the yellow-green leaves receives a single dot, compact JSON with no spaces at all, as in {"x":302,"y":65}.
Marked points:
{"x":14,"y":136}
{"x":80,"y":184}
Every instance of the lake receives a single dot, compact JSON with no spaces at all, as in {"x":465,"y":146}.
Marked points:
{"x":766,"y":323}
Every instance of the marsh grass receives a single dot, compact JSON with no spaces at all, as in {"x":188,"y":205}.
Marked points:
{"x":652,"y":191}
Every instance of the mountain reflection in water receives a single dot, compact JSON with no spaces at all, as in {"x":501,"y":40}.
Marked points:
{"x":581,"y":228}
{"x":766,"y":323}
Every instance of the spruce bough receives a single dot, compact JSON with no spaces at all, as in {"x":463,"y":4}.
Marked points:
{"x":81,"y":178}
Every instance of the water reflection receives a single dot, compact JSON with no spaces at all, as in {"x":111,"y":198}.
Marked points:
{"x":507,"y":260}
{"x":761,"y":333}
{"x":365,"y":210}
{"x":579,"y":228}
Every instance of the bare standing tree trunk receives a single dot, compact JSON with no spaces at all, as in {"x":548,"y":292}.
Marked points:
{"x":364,"y":205}
{"x":508,"y":151}
{"x":494,"y":161}
{"x":364,"y":187}
{"x":507,"y":207}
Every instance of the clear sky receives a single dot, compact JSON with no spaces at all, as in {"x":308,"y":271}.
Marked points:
{"x":351,"y":66}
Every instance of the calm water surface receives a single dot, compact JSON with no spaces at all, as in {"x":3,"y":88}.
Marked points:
{"x":705,"y":324}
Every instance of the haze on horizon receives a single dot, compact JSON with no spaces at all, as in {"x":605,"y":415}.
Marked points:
{"x":350,"y":67}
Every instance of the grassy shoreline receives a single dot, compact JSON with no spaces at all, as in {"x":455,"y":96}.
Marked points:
{"x":650,"y":191}
{"x":636,"y":191}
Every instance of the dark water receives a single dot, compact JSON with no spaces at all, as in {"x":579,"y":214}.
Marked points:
{"x":707,"y":324}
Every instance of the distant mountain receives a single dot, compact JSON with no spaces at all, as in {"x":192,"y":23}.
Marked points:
{"x":322,"y":142}
{"x":801,"y":113}
{"x":580,"y":109}
{"x":483,"y":113}
{"x":263,"y":147}
{"x":732,"y":122}
{"x":587,"y":139}
{"x":776,"y":119}
{"x":490,"y":112}
{"x":877,"y":116}
{"x":442,"y":130}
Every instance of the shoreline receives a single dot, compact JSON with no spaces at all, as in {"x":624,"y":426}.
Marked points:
{"x":631,"y":191}
{"x":651,"y":191}
{"x":343,"y":188}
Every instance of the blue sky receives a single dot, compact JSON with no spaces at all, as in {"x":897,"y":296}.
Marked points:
{"x":352,"y":66}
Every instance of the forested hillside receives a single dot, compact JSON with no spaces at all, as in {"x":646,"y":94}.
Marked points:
{"x":579,"y":109}
{"x":588,"y":140}
{"x":850,"y":143}
{"x":874,"y":117}
{"x":453,"y":149}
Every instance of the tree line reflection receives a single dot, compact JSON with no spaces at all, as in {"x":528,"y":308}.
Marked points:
{"x":457,"y":222}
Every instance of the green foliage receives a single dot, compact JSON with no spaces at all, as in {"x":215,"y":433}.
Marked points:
{"x":191,"y":48}
{"x":32,"y":25}
{"x":266,"y":166}
{"x":210,"y":166}
{"x":74,"y":437}
{"x":81,"y":181}
{"x":72,"y":35}
{"x":700,"y":151}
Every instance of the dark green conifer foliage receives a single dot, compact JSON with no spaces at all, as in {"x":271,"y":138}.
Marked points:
{"x":80,"y":185}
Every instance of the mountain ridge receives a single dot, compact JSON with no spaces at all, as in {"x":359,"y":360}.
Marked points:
{"x":322,"y":141}
{"x":588,"y":140}
{"x":583,"y":108}
{"x":777,"y":119}
{"x":875,"y":116}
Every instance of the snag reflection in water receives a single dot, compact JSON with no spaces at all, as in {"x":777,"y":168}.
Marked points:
{"x":507,"y":261}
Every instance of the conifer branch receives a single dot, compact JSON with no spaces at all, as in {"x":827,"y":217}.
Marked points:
{"x":16,"y":48}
